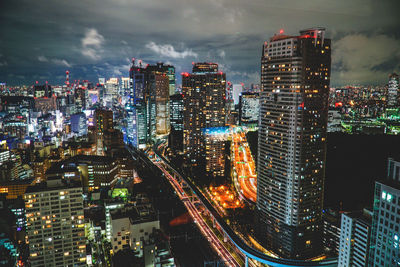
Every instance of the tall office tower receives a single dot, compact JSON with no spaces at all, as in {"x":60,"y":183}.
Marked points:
{"x":168,"y":70}
{"x":354,"y":241}
{"x":249,"y":109}
{"x":393,"y":90}
{"x":162,"y":105}
{"x":176,"y":118}
{"x":295,"y":75}
{"x":103,"y":123}
{"x":237,"y":89}
{"x":111,"y":95}
{"x":385,"y":234}
{"x":204,"y":108}
{"x":148,"y":103}
{"x":176,"y":111}
{"x":136,"y":107}
{"x":80,"y":98}
{"x":161,"y":82}
{"x":124,"y":90}
{"x":55,"y":225}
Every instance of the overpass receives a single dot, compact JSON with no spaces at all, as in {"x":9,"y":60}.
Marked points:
{"x":248,"y":251}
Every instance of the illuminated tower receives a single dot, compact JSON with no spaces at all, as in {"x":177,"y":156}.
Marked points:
{"x":161,"y":81}
{"x":136,"y":130}
{"x":103,"y":123}
{"x":295,"y":75}
{"x":393,"y":91}
{"x":204,"y":108}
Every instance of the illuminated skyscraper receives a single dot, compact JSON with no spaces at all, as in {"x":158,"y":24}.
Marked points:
{"x":393,"y":90}
{"x":295,"y":75}
{"x":136,"y":129}
{"x":204,"y":108}
{"x":103,"y":122}
{"x":249,"y":108}
{"x":148,"y":103}
{"x":161,"y":81}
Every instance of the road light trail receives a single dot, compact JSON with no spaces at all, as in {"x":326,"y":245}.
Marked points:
{"x":208,"y":233}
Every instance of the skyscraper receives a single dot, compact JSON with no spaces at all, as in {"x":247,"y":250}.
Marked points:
{"x":103,"y":123}
{"x":249,"y":108}
{"x":175,"y":141}
{"x":385,"y":233}
{"x":136,"y":129}
{"x":176,"y":111}
{"x":204,"y":108}
{"x":295,"y":75}
{"x":393,"y":90}
{"x":148,"y":103}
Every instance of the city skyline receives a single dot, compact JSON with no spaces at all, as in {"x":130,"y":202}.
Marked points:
{"x":190,"y":133}
{"x":99,"y":41}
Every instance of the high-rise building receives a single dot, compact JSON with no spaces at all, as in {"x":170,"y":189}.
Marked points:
{"x":249,"y":108}
{"x":168,"y":70}
{"x":204,"y":108}
{"x":78,"y":123}
{"x":148,"y":103}
{"x":55,"y":225}
{"x":385,"y":234}
{"x":136,"y":130}
{"x":43,"y":90}
{"x":111,"y":92}
{"x":237,"y":90}
{"x":295,"y":75}
{"x":176,"y":111}
{"x":103,"y":122}
{"x":393,"y":90}
{"x":176,"y":119}
{"x":354,"y":243}
{"x":162,"y":105}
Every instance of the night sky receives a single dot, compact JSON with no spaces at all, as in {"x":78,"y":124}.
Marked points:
{"x":39,"y":40}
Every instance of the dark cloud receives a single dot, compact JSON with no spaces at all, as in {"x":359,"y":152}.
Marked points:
{"x":91,"y":38}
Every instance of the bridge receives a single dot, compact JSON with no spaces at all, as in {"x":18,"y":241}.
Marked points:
{"x":197,"y":204}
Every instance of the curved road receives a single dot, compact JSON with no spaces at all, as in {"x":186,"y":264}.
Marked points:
{"x":239,"y":243}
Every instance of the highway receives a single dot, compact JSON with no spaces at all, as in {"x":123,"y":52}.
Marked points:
{"x":215,"y":242}
{"x":245,"y":178}
{"x":248,"y":251}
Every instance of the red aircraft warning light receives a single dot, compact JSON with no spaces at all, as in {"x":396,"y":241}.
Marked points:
{"x":281,"y":31}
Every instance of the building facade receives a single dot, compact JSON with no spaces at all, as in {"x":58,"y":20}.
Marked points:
{"x":204,"y":108}
{"x":393,"y":91}
{"x":385,"y":235}
{"x":355,"y":234}
{"x":148,"y":103}
{"x":249,"y":108}
{"x":55,"y":226}
{"x":295,"y":75}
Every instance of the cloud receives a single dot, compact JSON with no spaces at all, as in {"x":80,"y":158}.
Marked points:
{"x":360,"y":58}
{"x":92,"y":44}
{"x":168,"y":50}
{"x":61,"y":62}
{"x":42,"y":59}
